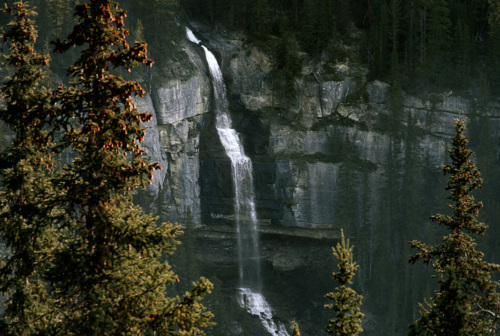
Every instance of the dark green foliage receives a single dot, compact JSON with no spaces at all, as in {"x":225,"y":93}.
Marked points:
{"x":107,"y":277}
{"x":346,"y":301}
{"x":469,"y":277}
{"x":316,"y":26}
{"x":447,"y":315}
{"x":405,"y":40}
{"x":161,"y":29}
{"x":286,"y":62}
{"x":463,"y":41}
{"x":260,"y":18}
{"x":77,"y":229}
{"x":494,"y":42}
{"x":25,"y":199}
{"x":484,"y":145}
{"x":395,"y":14}
{"x":435,"y":46}
{"x":379,"y":33}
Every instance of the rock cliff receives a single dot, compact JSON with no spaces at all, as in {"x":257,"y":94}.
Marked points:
{"x":297,"y":147}
{"x":340,"y":153}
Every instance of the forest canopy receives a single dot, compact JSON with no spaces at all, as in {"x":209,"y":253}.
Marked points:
{"x":435,"y":42}
{"x":430,"y":44}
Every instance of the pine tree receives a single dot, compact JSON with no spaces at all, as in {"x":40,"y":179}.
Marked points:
{"x":346,"y":301}
{"x":260,"y":18}
{"x":447,"y":315}
{"x":395,"y":71}
{"x":162,"y":29}
{"x":106,"y":277}
{"x":286,"y":61}
{"x":463,"y":42}
{"x":309,"y":37}
{"x":26,"y":192}
{"x":472,"y":276}
{"x":436,"y":40}
{"x":295,"y":329}
{"x":494,"y":42}
{"x":60,"y":16}
{"x":380,"y":32}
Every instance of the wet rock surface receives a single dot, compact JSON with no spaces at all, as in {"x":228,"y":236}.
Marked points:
{"x":321,"y":161}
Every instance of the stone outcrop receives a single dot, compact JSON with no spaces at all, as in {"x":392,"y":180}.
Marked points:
{"x":297,"y":150}
{"x":180,"y":108}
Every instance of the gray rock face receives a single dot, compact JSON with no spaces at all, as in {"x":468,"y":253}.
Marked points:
{"x":172,"y":138}
{"x":152,"y":145}
{"x":339,"y":155}
{"x":179,"y":100}
{"x":247,"y":73}
{"x":315,"y":186}
{"x":296,"y":164}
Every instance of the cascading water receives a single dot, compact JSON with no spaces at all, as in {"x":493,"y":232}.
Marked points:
{"x":249,"y":296}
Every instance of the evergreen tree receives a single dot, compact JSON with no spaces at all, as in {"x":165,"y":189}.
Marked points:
{"x":471,"y":282}
{"x":395,"y":15}
{"x":412,"y":210}
{"x":447,"y":315}
{"x":380,"y":32}
{"x":484,"y":144}
{"x":346,"y":301}
{"x":137,"y":35}
{"x":494,"y":42}
{"x":308,"y":35}
{"x":410,"y":7}
{"x":260,"y":18}
{"x":324,"y":22}
{"x":463,"y":43}
{"x":295,"y":329}
{"x":60,"y":16}
{"x":106,"y":276}
{"x":346,"y":198}
{"x":26,"y":193}
{"x":286,"y":61}
{"x":317,"y":25}
{"x":341,"y":15}
{"x":162,"y":30}
{"x":436,"y":41}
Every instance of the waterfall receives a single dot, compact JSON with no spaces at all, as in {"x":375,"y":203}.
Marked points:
{"x":249,"y":293}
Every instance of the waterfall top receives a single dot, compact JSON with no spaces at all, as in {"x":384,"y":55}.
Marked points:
{"x":191,"y":37}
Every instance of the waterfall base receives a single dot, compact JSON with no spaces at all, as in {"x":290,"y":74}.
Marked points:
{"x":256,"y":304}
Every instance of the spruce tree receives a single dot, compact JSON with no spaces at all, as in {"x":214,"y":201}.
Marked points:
{"x":286,"y":61}
{"x":260,"y":18}
{"x":379,"y":33}
{"x":106,"y":276}
{"x":447,"y":315}
{"x":295,"y":329}
{"x":25,"y":167}
{"x":469,"y":284}
{"x":309,"y":38}
{"x":494,"y":43}
{"x":436,"y":41}
{"x":346,"y":302}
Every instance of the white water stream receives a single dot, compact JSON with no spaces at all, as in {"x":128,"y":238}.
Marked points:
{"x":249,"y":294}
